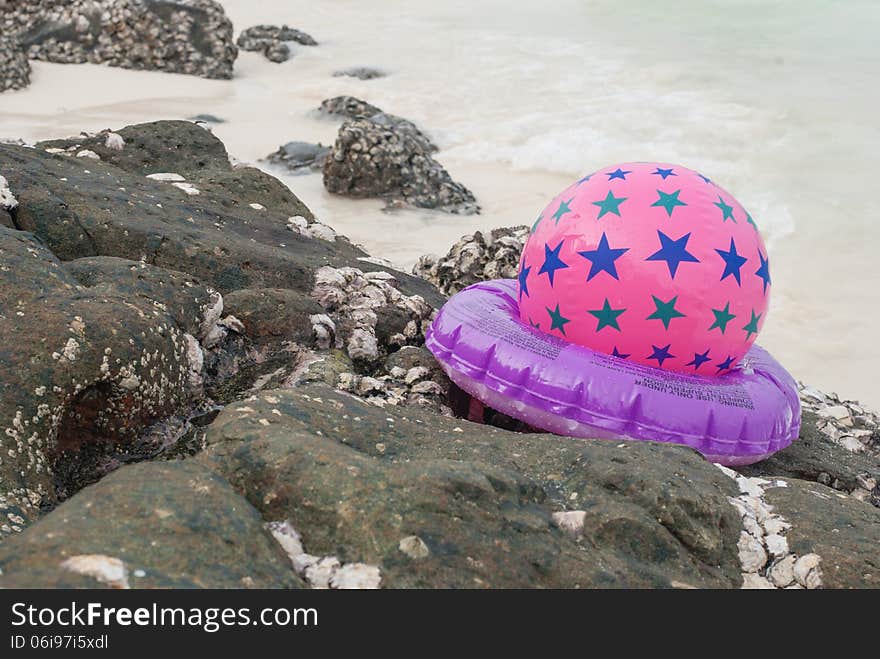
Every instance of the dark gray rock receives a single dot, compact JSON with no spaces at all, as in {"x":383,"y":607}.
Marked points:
{"x":360,"y":72}
{"x":436,"y":502}
{"x":297,"y":156}
{"x":161,"y":525}
{"x":815,"y":457}
{"x":208,"y":119}
{"x":355,"y":108}
{"x":370,"y":159}
{"x":92,"y":353}
{"x":232,"y":235}
{"x":15,"y":70}
{"x":276,"y":51}
{"x":843,"y":531}
{"x":348,"y":106}
{"x":183,"y":36}
{"x":269,"y":40}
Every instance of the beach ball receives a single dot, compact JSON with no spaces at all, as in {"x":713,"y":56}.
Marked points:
{"x":649,"y":262}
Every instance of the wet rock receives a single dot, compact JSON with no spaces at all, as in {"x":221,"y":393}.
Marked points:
{"x":300,"y":155}
{"x":371,"y":159}
{"x":184,"y":36}
{"x":480,"y":500}
{"x":815,"y":456}
{"x":355,"y":108}
{"x":360,"y":72}
{"x":15,"y":70}
{"x":160,"y":525}
{"x":348,"y":106}
{"x":110,"y":208}
{"x":277,"y":52}
{"x":835,"y":535}
{"x":477,"y":257}
{"x":371,"y":316}
{"x":257,"y":37}
{"x":93,"y":352}
{"x":207,"y":119}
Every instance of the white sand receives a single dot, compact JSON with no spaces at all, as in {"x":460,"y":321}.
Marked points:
{"x":777,"y":105}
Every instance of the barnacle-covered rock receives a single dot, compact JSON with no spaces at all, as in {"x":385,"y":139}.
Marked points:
{"x":183,"y":36}
{"x":476,"y":257}
{"x":15,"y":70}
{"x":372,"y":159}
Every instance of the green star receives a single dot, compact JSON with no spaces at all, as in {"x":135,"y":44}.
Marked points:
{"x":607,"y":316}
{"x":751,"y":327}
{"x":722,"y":317}
{"x":557,"y":320}
{"x":669,"y":201}
{"x":610,"y":204}
{"x":665,"y":311}
{"x":726,"y":210}
{"x":751,"y":221}
{"x":562,"y":210}
{"x":537,"y":222}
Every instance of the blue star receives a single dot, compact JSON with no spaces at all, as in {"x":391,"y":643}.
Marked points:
{"x":707,"y":180}
{"x":699,"y":359}
{"x":673,"y":252}
{"x":585,"y":179}
{"x":732,"y":262}
{"x":552,"y":262}
{"x":664,"y":173}
{"x":534,"y":324}
{"x":617,"y":354}
{"x":661,"y":354}
{"x":603,"y":258}
{"x":725,"y":365}
{"x":618,"y":173}
{"x":523,"y":284}
{"x":764,"y":271}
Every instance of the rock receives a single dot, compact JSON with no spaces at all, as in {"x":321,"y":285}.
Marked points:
{"x":475,"y":258}
{"x":807,"y":572}
{"x":782,"y":572}
{"x":207,"y":119}
{"x":217,"y":236}
{"x":300,"y":155}
{"x":175,"y":524}
{"x":184,"y":36}
{"x":106,"y":569}
{"x":276,"y":51}
{"x":834,"y":535}
{"x":8,"y":202}
{"x":348,"y":106}
{"x":571,"y":522}
{"x":360,"y":72}
{"x":269,"y":40}
{"x":372,"y":160}
{"x":414,"y":547}
{"x":753,"y":581}
{"x":356,"y":576}
{"x":108,"y":360}
{"x":480,"y":500}
{"x":751,"y":553}
{"x":814,"y":456}
{"x":15,"y":70}
{"x":355,"y":108}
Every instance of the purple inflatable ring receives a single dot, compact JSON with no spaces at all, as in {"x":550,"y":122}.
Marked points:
{"x":735,"y":419}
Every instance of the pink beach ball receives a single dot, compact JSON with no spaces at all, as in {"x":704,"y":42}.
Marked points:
{"x":650,"y":262}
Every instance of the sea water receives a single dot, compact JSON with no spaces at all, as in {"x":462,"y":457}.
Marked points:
{"x":776,"y":100}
